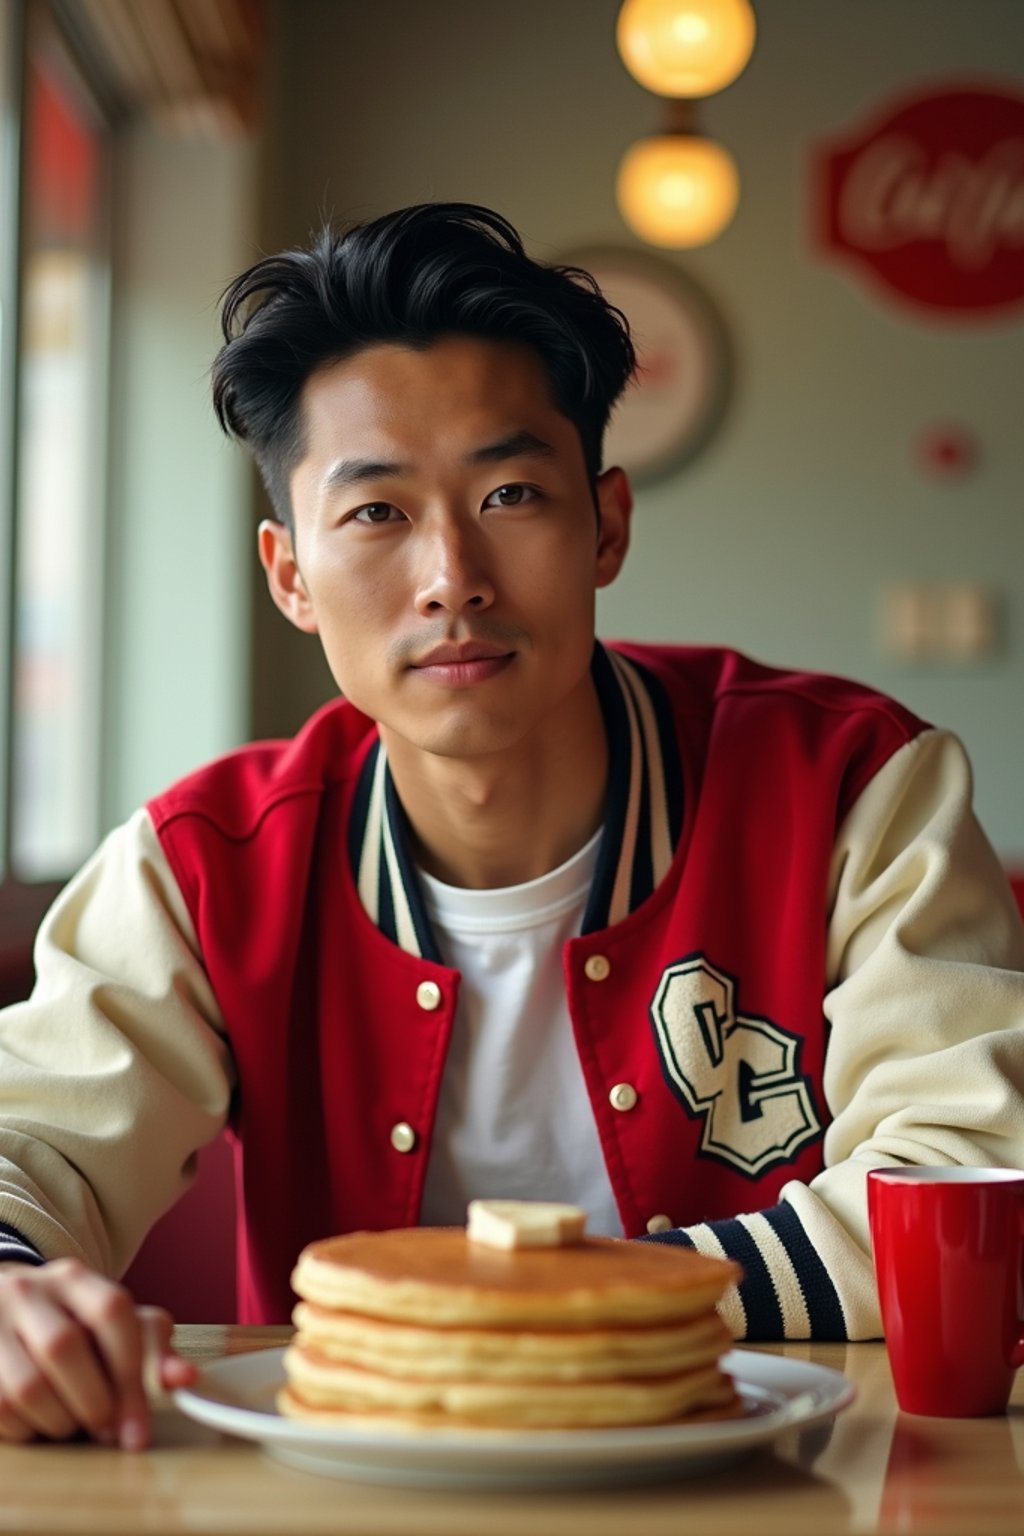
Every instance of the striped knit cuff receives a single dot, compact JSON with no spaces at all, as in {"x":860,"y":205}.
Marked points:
{"x":17,"y":1249}
{"x":786,"y":1291}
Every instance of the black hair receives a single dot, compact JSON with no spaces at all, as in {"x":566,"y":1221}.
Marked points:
{"x":410,"y":277}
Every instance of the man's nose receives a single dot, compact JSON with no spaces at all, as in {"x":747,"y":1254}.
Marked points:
{"x":454,"y":571}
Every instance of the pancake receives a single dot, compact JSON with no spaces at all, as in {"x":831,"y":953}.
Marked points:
{"x":727,"y":1405}
{"x":520,"y":1354}
{"x":318,"y":1384}
{"x":434,"y":1276}
{"x":421,"y":1328}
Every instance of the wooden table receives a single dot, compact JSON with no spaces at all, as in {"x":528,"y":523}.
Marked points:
{"x":873,"y":1469}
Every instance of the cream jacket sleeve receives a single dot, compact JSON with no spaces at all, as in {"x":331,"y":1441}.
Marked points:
{"x":116,"y":1070}
{"x":925,"y":1001}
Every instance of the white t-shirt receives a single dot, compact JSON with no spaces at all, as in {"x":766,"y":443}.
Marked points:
{"x":514,"y":1119}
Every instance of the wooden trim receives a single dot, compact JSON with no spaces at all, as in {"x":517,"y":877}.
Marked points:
{"x":191,"y":65}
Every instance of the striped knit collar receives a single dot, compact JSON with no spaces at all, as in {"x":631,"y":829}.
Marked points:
{"x":643,"y":815}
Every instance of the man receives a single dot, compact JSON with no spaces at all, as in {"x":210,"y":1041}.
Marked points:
{"x":657,"y":931}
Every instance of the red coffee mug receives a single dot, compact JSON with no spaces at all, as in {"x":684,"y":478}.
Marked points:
{"x":949,"y":1261}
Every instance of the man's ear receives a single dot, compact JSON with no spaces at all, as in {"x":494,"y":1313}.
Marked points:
{"x":615,"y":503}
{"x":284,"y":579}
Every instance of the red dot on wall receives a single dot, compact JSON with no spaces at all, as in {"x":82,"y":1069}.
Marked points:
{"x":947,"y":451}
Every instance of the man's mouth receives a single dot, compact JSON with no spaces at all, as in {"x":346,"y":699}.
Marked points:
{"x":461,"y":664}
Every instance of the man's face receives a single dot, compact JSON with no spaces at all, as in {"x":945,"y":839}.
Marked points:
{"x":446,"y":545}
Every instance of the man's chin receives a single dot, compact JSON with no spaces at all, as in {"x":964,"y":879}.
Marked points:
{"x":452,"y":738}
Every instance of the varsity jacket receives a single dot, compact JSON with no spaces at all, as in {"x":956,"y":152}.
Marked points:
{"x":798,"y":952}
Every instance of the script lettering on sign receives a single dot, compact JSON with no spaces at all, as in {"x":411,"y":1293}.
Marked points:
{"x":929,"y":200}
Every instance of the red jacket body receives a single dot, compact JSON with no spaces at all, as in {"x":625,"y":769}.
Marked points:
{"x":333,"y":1048}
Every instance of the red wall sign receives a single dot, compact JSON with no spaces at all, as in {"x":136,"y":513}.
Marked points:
{"x":928,"y":199}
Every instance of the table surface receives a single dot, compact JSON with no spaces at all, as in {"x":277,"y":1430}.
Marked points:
{"x":872,"y":1469}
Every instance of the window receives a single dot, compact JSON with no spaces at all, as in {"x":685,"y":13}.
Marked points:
{"x":59,"y":466}
{"x":69,"y":74}
{"x":54,"y":267}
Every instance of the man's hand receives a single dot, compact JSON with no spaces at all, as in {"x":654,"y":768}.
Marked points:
{"x":73,"y":1346}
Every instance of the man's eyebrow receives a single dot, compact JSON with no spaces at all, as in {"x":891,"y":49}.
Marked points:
{"x":516,"y":445}
{"x":356,"y":471}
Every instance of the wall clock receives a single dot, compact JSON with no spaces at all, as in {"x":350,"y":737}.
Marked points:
{"x":681,"y":391}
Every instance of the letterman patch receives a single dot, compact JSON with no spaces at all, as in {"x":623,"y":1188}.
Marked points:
{"x":739,"y":1072}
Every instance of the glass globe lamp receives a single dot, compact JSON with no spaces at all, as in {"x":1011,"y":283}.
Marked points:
{"x":677,"y":189}
{"x":685,"y":47}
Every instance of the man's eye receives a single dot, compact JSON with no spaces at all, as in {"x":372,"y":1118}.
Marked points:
{"x":511,"y":495}
{"x":376,"y":512}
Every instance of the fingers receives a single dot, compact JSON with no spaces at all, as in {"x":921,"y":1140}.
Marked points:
{"x":177,"y":1372}
{"x":164,"y":1368}
{"x":135,"y":1345}
{"x":116,"y":1332}
{"x":72,"y":1353}
{"x":31,"y":1404}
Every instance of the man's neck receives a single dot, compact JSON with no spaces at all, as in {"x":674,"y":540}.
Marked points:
{"x":489,"y":822}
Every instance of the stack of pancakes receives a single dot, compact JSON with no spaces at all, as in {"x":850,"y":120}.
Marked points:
{"x":422,"y":1327}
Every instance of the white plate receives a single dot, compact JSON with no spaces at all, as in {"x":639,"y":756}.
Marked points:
{"x":236,"y":1396}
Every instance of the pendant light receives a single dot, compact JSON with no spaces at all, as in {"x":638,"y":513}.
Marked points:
{"x":679,"y":188}
{"x":685,"y":47}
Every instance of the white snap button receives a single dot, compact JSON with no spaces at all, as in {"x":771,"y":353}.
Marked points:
{"x":428,"y":995}
{"x":660,"y":1224}
{"x":623,"y":1096}
{"x":403,"y":1137}
{"x":597,"y":967}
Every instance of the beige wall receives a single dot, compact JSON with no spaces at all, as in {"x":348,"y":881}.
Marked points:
{"x":177,"y":666}
{"x":781,"y":536}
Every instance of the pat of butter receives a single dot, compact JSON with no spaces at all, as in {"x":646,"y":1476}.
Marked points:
{"x":524,"y":1223}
